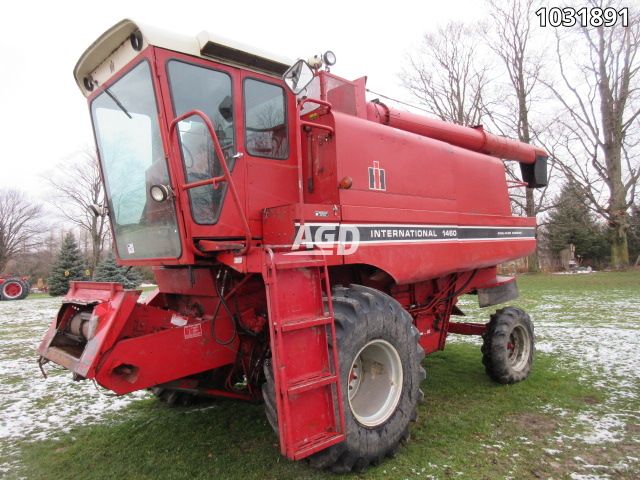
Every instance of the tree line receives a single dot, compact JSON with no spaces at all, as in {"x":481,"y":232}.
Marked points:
{"x":572,"y":90}
{"x":63,"y":241}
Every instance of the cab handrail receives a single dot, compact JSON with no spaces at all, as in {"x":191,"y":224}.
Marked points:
{"x":226,"y":176}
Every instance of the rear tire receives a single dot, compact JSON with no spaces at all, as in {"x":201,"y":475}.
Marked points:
{"x":13,"y":289}
{"x":508,"y":347}
{"x":373,"y":333}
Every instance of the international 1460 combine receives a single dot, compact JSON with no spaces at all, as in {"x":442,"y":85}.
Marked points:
{"x":309,"y":246}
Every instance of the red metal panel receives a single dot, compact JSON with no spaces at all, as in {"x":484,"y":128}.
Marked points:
{"x":369,"y":214}
{"x":421,"y":173}
{"x":413,"y":263}
{"x":475,"y":139}
{"x":135,"y":346}
{"x":465,"y":328}
{"x":165,"y":355}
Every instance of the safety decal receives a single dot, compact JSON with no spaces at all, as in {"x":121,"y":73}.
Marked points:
{"x":192,"y":331}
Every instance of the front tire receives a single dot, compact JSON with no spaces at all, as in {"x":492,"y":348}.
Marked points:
{"x":508,"y":347}
{"x":380,"y":371}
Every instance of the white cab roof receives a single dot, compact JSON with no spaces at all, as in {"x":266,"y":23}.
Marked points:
{"x":115,"y":41}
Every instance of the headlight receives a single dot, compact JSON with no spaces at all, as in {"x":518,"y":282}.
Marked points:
{"x":159,"y":192}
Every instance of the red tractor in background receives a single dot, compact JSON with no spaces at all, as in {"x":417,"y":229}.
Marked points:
{"x":309,"y":246}
{"x":13,"y":287}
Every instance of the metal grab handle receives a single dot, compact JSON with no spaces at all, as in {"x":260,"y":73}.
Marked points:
{"x":322,"y":103}
{"x":226,"y":176}
{"x":209,"y":181}
{"x":329,"y":129}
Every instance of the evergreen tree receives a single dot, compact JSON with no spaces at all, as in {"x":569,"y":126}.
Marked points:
{"x":68,"y":266}
{"x":571,"y":222}
{"x":108,"y":271}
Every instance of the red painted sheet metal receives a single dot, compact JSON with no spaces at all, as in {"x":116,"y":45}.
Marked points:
{"x":366,"y":214}
{"x":420,"y":173}
{"x":148,"y":360}
{"x":136,"y":346}
{"x":466,"y":328}
{"x":416,"y":262}
{"x":475,"y":139}
{"x":92,"y":292}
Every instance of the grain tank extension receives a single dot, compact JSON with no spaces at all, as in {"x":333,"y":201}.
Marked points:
{"x":309,"y":246}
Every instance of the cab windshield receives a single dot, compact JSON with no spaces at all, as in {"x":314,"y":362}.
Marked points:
{"x":125,"y":118}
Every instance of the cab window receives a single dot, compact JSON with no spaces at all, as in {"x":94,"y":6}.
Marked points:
{"x":265,"y":120}
{"x":207,"y":90}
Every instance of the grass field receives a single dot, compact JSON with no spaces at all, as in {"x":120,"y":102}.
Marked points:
{"x":577,"y":416}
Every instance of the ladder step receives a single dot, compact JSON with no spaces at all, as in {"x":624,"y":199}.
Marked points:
{"x":298,"y":261}
{"x":311,"y":383}
{"x":305,"y":323}
{"x":317,"y":444}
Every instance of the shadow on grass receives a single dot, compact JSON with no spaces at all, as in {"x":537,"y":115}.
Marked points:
{"x":462,"y":413}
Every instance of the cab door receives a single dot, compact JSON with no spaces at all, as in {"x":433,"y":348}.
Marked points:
{"x":269,"y":144}
{"x":193,"y":83}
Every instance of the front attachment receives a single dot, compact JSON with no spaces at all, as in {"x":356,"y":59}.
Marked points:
{"x":101,"y":332}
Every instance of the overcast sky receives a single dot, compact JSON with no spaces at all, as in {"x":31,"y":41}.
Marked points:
{"x":44,"y":117}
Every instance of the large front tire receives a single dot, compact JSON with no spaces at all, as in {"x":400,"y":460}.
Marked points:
{"x":508,"y":347}
{"x":380,"y":372}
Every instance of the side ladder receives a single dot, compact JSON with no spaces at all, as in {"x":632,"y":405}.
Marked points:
{"x":305,"y":369}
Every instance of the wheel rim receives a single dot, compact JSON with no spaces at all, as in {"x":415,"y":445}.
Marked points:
{"x":375,"y":383}
{"x":519,"y":347}
{"x":12,"y":290}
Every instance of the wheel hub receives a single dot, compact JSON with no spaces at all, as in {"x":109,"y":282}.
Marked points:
{"x":519,"y":347}
{"x":375,"y":383}
{"x":12,"y":290}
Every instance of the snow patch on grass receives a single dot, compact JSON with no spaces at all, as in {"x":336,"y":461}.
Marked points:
{"x":597,"y":336}
{"x":32,"y":408}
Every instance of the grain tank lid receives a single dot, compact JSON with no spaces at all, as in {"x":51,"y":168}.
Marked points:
{"x":100,"y":50}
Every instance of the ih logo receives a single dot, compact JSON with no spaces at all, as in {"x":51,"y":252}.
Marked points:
{"x":377,"y":177}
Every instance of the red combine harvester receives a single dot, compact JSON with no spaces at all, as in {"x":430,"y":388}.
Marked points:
{"x":13,"y":287}
{"x":309,"y":246}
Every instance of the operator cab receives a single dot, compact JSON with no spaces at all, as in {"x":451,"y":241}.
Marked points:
{"x":165,"y":182}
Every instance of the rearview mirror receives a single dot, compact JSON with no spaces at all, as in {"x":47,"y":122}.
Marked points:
{"x":298,"y":76}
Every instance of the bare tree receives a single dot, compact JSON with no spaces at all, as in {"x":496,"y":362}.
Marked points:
{"x":511,"y":39}
{"x":601,"y":96}
{"x":19,"y":224}
{"x":77,"y":185}
{"x":446,"y":76}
